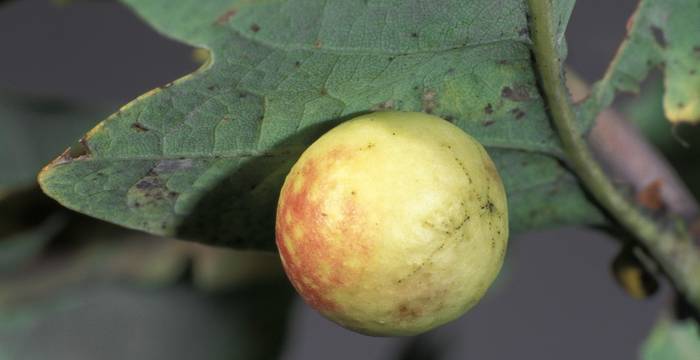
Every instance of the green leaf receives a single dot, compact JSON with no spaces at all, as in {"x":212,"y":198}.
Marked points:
{"x":673,"y":340}
{"x":660,"y":34}
{"x":34,"y":129}
{"x":203,"y":158}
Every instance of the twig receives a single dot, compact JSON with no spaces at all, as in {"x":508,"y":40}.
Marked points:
{"x":618,"y":144}
{"x":630,"y":159}
{"x":672,"y":249}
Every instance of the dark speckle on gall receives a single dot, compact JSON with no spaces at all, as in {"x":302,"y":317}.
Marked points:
{"x":489,"y":206}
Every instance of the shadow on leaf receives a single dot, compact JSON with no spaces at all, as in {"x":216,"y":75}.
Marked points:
{"x":239,"y":211}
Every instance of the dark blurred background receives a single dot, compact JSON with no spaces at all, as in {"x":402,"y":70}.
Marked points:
{"x":556,"y":299}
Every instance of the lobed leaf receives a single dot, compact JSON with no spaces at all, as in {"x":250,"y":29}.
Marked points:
{"x":203,"y":158}
{"x":661,"y":34}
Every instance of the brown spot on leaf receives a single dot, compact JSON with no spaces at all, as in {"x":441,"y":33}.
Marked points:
{"x":255,"y":28}
{"x":148,"y":193}
{"x":502,"y":62}
{"x":139,"y":127}
{"x":429,"y":101}
{"x":650,"y":196}
{"x":658,"y":36}
{"x":488,"y":109}
{"x":297,"y":64}
{"x":150,"y":189}
{"x":317,"y":44}
{"x":523,"y":31}
{"x":225,"y":17}
{"x":212,"y":87}
{"x":414,"y":34}
{"x":519,"y":114}
{"x":79,"y":150}
{"x":148,"y":183}
{"x":323,"y":92}
{"x":516,"y":93}
{"x":74,"y":152}
{"x":386,"y":105}
{"x":488,"y":122}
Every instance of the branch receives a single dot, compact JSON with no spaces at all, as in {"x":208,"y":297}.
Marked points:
{"x":672,"y":248}
{"x":621,"y":148}
{"x":628,"y":158}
